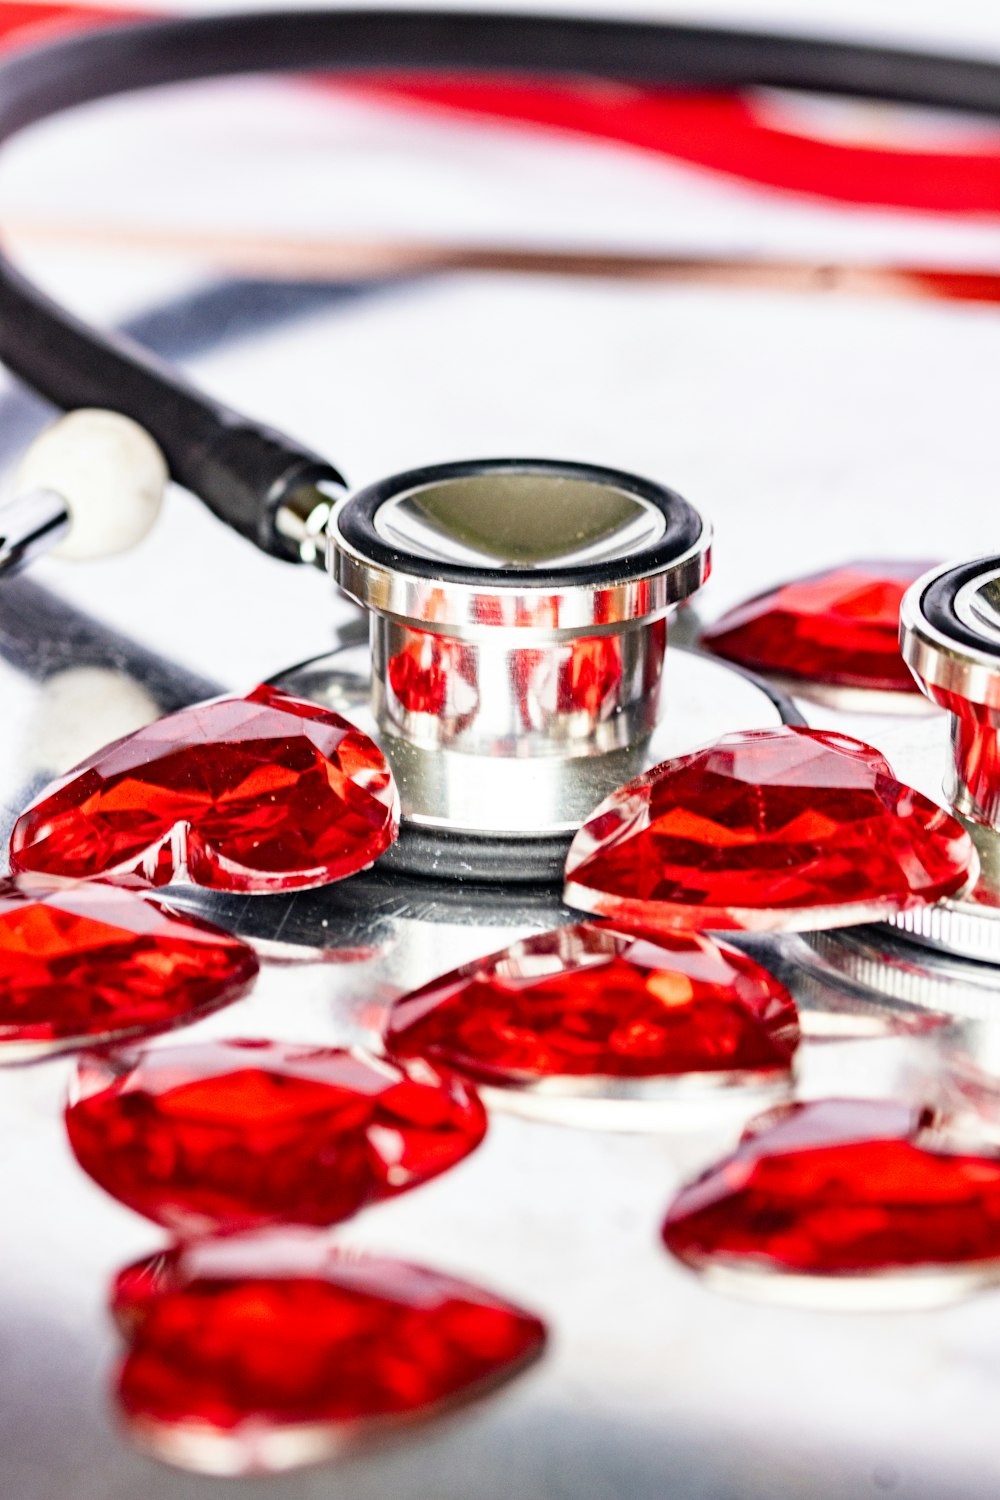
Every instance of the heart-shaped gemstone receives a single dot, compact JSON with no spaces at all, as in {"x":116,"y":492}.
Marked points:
{"x":85,"y":962}
{"x":270,"y":1351}
{"x":589,"y":1001}
{"x":238,"y":1134}
{"x":771,"y":829}
{"x":840,"y":627}
{"x":262,"y":793}
{"x":840,"y":1192}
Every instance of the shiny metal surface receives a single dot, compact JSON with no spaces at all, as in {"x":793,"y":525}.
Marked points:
{"x":303,"y":518}
{"x":977,"y":604}
{"x":30,"y":526}
{"x":517,"y":693}
{"x":945,"y":667}
{"x":892,"y":966}
{"x":960,"y":673}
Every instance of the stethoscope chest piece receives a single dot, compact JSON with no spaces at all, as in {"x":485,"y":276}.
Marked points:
{"x":518,"y":667}
{"x":950,"y":638}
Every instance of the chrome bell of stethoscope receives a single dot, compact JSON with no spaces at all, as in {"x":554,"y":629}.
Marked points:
{"x":949,"y":635}
{"x":950,"y":639}
{"x":518,"y":668}
{"x":945,"y":956}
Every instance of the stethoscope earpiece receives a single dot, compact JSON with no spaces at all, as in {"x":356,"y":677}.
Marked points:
{"x":90,"y":485}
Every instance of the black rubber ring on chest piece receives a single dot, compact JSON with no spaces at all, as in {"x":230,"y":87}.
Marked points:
{"x":937,"y":604}
{"x":356,"y":524}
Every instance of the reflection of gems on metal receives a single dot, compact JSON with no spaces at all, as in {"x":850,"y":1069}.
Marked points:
{"x":950,"y":639}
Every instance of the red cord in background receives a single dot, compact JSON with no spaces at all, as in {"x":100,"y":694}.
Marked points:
{"x":722,"y":133}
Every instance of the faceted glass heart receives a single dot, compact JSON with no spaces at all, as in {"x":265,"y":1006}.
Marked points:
{"x":238,"y":1134}
{"x":846,"y":1201}
{"x":591,"y":1003}
{"x":768,"y":830}
{"x":268,"y":1352}
{"x":87,"y":962}
{"x":839,"y":627}
{"x":263,"y":793}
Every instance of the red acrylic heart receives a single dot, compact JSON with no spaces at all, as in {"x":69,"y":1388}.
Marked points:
{"x":240,"y":1134}
{"x":590,"y":1001}
{"x":262,"y":793}
{"x":82,"y":962}
{"x":768,"y":830}
{"x":839,"y":628}
{"x":273,"y":1350}
{"x":847,"y":1201}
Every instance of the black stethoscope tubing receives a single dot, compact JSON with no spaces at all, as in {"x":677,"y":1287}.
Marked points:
{"x":241,"y":469}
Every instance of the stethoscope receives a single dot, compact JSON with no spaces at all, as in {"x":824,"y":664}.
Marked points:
{"x":497,"y":590}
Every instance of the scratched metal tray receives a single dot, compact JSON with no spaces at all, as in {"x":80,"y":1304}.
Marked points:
{"x":812,"y":428}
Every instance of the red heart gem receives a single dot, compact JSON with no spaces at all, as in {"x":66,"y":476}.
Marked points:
{"x":238,"y":1134}
{"x":839,"y":1191}
{"x":264,"y":1353}
{"x":262,"y":793}
{"x":768,"y":830}
{"x":839,"y":627}
{"x":589,"y":1001}
{"x":88,"y":962}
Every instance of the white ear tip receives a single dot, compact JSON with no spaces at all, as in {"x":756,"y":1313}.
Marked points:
{"x":110,"y":473}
